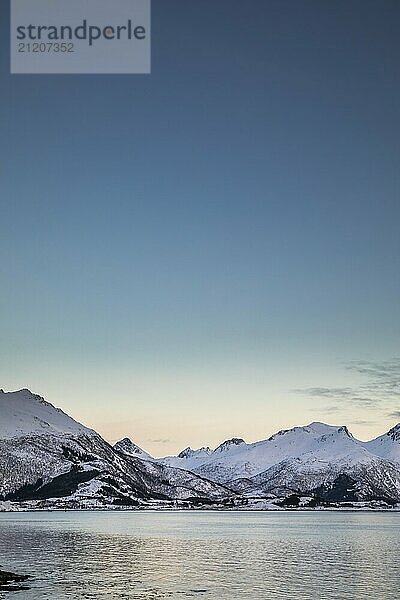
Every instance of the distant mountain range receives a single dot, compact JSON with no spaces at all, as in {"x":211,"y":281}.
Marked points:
{"x":49,"y":460}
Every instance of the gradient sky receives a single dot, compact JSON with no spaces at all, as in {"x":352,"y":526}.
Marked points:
{"x":214,"y":249}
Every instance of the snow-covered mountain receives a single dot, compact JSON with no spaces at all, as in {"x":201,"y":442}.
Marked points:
{"x":45,"y":454}
{"x":49,"y":459}
{"x":301,"y":459}
{"x":235,"y":459}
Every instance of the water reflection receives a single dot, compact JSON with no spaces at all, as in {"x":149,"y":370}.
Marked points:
{"x":215,"y":556}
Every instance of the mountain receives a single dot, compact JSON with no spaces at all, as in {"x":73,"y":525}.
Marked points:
{"x":302,"y":460}
{"x":45,"y":454}
{"x":235,"y":459}
{"x":49,"y":460}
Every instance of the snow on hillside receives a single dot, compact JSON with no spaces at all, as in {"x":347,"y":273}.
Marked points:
{"x":314,"y":452}
{"x":24,"y":413}
{"x":387,"y":445}
{"x":234,"y":458}
{"x":375,"y":476}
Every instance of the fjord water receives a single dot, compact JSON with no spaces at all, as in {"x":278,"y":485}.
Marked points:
{"x":203,"y":554}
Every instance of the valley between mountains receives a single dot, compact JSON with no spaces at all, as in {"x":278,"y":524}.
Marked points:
{"x":50,"y":461}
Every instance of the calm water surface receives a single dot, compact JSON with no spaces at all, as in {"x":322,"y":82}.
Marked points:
{"x":205,"y":555}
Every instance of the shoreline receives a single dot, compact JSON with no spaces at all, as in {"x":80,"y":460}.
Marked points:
{"x":208,"y":509}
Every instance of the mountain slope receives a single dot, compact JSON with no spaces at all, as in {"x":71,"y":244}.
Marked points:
{"x":24,"y":413}
{"x":127,"y":447}
{"x":387,"y":445}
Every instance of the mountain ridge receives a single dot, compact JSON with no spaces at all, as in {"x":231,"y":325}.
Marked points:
{"x":49,"y":459}
{"x":300,"y":458}
{"x":45,"y":454}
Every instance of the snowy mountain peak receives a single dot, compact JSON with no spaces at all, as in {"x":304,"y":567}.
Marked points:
{"x":127,"y":443}
{"x":323,"y":429}
{"x":24,"y":413}
{"x":186,"y":453}
{"x":343,"y":429}
{"x":27,"y":395}
{"x":316,"y":429}
{"x":126,"y":446}
{"x":189,"y":452}
{"x":228,"y":444}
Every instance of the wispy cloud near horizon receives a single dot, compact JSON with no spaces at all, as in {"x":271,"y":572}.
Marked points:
{"x":394,"y":415}
{"x":381,"y":389}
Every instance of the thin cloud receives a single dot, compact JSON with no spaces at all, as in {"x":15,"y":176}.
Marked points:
{"x":342,"y":395}
{"x":323,"y":392}
{"x":327,"y":410}
{"x":394,"y":415}
{"x":383,"y":378}
{"x":381,"y":387}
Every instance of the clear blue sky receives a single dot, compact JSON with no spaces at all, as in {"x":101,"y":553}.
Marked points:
{"x":182,"y":251}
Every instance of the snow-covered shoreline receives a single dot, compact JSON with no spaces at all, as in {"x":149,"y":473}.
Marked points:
{"x":6,"y":507}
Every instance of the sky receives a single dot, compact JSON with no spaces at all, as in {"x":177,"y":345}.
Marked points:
{"x":212,"y":250}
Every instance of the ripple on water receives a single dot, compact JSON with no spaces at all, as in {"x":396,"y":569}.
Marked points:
{"x":215,"y":556}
